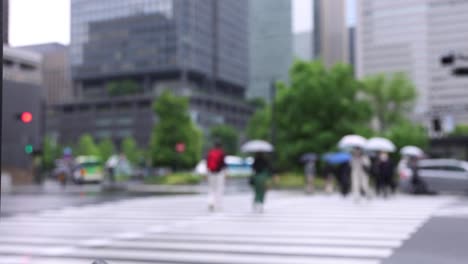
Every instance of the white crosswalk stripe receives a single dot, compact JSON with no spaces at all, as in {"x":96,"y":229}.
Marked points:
{"x":293,"y":229}
{"x":457,"y":211}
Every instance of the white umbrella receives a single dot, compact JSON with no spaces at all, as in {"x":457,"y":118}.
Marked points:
{"x":351,"y":141}
{"x":201,"y":168}
{"x":412,"y":151}
{"x":380,"y":144}
{"x":112,"y":161}
{"x":257,"y":146}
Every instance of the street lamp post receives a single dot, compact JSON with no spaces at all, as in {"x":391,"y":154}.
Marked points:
{"x":272,"y":101}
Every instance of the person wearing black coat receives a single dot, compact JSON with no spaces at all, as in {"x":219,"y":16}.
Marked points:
{"x":262,"y":173}
{"x":384,"y":174}
{"x":343,"y":177}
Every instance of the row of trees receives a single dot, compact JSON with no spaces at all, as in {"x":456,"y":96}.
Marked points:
{"x":87,"y":146}
{"x":310,"y":114}
{"x":321,"y":105}
{"x":175,"y":126}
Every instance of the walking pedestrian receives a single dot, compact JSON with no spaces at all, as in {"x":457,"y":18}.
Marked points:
{"x":418,"y":185}
{"x":385,"y":173}
{"x":309,"y":171}
{"x":328,"y":171}
{"x":343,"y":177}
{"x":360,"y":167}
{"x":216,"y":177}
{"x":110,"y":166}
{"x":263,"y":172}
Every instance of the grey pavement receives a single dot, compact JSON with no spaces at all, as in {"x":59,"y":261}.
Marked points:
{"x":179,"y":229}
{"x":51,"y":195}
{"x":443,"y":239}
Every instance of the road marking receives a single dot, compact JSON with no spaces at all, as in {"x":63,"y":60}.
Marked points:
{"x":129,"y":235}
{"x":293,"y":229}
{"x":340,"y":251}
{"x":95,"y":242}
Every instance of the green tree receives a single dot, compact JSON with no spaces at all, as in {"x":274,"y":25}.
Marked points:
{"x":257,"y":103}
{"x":391,"y":98}
{"x":131,"y":151}
{"x":228,"y":137}
{"x":86,"y":146}
{"x":318,"y":108}
{"x":125,"y":87}
{"x":259,"y":125}
{"x":460,"y":130}
{"x":174,"y":126}
{"x":406,"y":133}
{"x":50,"y":152}
{"x":106,"y":148}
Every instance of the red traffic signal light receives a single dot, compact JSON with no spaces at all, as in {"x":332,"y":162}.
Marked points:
{"x":26,"y":117}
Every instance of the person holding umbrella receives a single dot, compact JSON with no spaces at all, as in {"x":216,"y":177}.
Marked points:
{"x":385,"y":172}
{"x":411,"y":155}
{"x":360,"y":167}
{"x":341,"y":161}
{"x":382,"y":167}
{"x":262,"y":171}
{"x":359,"y":163}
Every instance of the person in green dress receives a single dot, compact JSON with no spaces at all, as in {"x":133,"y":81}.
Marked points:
{"x":262,"y":174}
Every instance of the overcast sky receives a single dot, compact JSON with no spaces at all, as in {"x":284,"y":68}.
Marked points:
{"x":41,"y":21}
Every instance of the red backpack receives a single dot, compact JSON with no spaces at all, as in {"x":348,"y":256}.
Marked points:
{"x":215,"y":160}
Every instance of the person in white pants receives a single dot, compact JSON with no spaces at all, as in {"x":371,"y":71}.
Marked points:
{"x":216,"y":190}
{"x":216,"y":177}
{"x":359,"y":176}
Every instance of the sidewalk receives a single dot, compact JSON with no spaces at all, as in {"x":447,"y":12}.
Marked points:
{"x":50,"y":187}
{"x":165,"y":189}
{"x":53,"y":188}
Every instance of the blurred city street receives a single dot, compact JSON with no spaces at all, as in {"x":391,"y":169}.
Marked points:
{"x":294,"y":229}
{"x":234,"y":132}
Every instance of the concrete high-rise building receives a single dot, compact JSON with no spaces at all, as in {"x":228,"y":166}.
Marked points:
{"x":330,"y":39}
{"x":447,"y":33}
{"x":270,"y":42}
{"x":55,"y":71}
{"x":411,"y":37}
{"x":198,"y":49}
{"x":22,"y":92}
{"x":303,"y":45}
{"x":5,"y":20}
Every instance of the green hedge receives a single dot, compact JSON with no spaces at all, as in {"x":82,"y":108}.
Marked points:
{"x":297,"y":180}
{"x":175,"y":179}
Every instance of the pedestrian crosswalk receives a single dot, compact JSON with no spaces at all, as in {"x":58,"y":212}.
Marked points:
{"x":294,"y":229}
{"x":457,"y":211}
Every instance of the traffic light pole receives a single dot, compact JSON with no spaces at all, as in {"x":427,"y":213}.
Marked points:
{"x":272,"y":101}
{"x":273,"y":120}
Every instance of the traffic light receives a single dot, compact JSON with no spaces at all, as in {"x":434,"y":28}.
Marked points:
{"x":447,"y":60}
{"x":460,"y":71}
{"x":29,"y":149}
{"x":25,"y":117}
{"x":436,"y":125}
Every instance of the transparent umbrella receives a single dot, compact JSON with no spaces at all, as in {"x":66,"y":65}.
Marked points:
{"x":352,"y":141}
{"x":380,"y":144}
{"x":412,"y":151}
{"x":257,"y":146}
